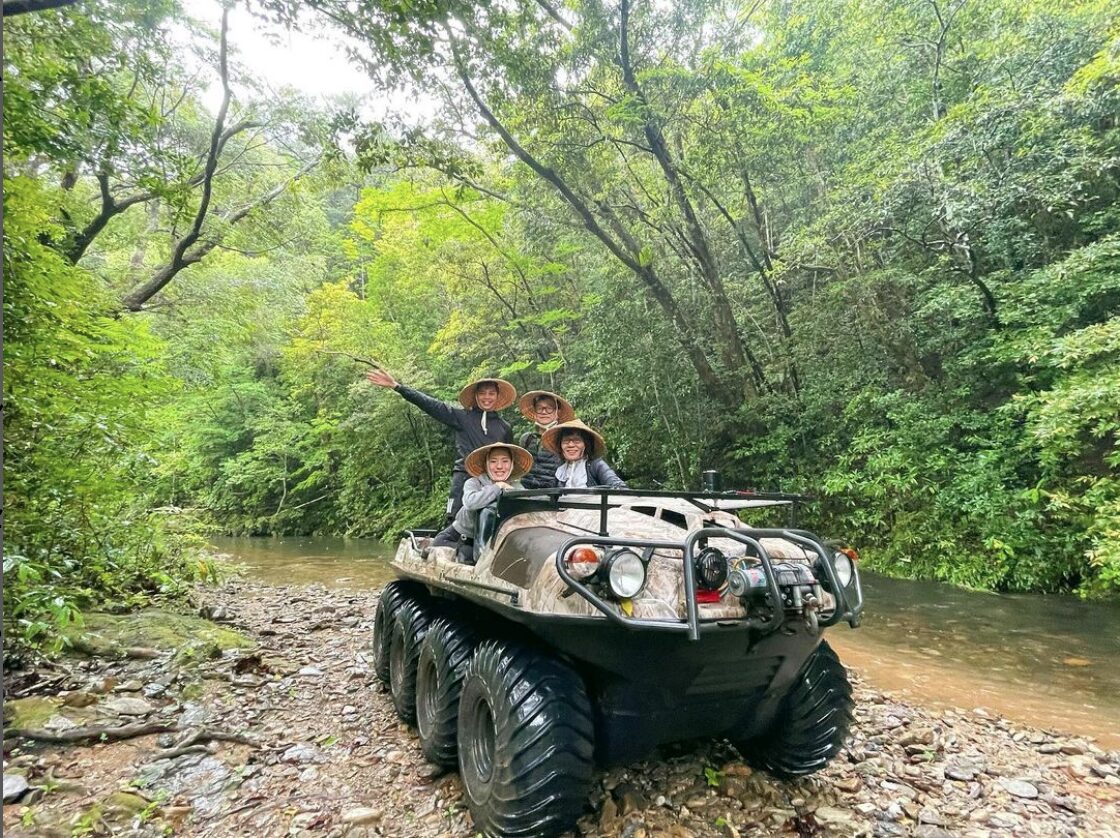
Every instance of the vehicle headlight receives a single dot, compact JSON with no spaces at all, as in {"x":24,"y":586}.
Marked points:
{"x":626,"y":574}
{"x":845,"y":570}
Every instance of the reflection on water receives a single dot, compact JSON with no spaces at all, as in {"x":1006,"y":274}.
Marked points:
{"x":335,"y":562}
{"x":1050,"y":661}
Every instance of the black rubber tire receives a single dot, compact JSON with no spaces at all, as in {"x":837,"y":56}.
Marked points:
{"x":444,"y":656}
{"x":526,"y":741}
{"x":812,"y":725}
{"x":410,"y":625}
{"x":393,"y":596}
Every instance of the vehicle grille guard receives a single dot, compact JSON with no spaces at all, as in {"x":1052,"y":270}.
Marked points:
{"x":849,"y":601}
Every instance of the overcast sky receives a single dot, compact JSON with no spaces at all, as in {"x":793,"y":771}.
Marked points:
{"x":315,"y":64}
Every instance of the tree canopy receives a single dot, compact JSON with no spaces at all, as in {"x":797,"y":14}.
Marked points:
{"x":868,"y":251}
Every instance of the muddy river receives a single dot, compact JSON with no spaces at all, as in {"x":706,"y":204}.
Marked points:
{"x":1049,"y":661}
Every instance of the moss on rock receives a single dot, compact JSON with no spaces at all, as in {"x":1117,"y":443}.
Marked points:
{"x":155,"y":628}
{"x":30,"y":713}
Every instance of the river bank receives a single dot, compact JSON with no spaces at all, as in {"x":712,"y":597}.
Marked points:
{"x":292,"y":735}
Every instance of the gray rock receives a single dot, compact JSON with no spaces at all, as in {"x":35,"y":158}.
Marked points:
{"x":837,"y":818}
{"x":130,"y":686}
{"x":963,"y":773}
{"x":154,"y":689}
{"x":311,"y":672}
{"x":929,"y":831}
{"x":1003,"y":820}
{"x":302,"y":753}
{"x":129,"y":706}
{"x":1019,"y":788}
{"x":59,"y":723}
{"x":195,"y":714}
{"x":930,"y":816}
{"x":15,"y":787}
{"x":361,"y":815}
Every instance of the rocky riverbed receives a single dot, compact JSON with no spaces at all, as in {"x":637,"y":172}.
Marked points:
{"x":274,"y":724}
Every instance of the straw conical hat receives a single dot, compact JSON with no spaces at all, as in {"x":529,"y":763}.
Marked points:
{"x":550,"y":439}
{"x":476,"y":460}
{"x":507,"y":393}
{"x":564,"y":410}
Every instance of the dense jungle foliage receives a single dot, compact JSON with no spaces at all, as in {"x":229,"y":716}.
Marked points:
{"x":869,"y":251}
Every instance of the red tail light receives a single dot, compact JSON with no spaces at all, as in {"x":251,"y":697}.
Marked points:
{"x":707,"y":597}
{"x":582,"y":561}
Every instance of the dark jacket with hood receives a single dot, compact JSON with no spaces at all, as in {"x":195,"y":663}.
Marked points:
{"x":467,"y":424}
{"x":543,"y":473}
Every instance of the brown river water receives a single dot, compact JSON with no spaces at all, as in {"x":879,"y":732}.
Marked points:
{"x":1051,"y":662}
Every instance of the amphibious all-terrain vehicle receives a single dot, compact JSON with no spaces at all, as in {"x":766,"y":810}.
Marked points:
{"x":596,"y":624}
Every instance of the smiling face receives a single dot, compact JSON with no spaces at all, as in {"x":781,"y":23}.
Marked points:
{"x":499,"y":464}
{"x":572,"y":445}
{"x":544,"y":410}
{"x":486,"y":396}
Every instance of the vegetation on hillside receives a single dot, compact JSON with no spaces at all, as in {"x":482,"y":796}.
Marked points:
{"x":869,"y":251}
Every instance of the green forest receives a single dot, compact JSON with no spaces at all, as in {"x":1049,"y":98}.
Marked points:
{"x":867,"y":251}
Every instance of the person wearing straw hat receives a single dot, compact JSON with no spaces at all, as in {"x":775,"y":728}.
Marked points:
{"x":476,"y":423}
{"x":493,"y":469}
{"x":581,"y":450}
{"x":544,"y":409}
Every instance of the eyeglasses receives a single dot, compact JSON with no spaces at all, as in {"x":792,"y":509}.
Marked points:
{"x":546,"y":408}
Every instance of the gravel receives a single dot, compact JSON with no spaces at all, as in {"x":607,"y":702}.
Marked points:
{"x":332,"y":759}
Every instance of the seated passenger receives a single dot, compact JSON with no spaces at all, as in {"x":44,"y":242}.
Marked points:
{"x":581,"y":450}
{"x":493,"y":469}
{"x":544,"y":410}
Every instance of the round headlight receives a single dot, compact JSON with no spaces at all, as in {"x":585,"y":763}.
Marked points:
{"x":844,"y":568}
{"x":626,"y":574}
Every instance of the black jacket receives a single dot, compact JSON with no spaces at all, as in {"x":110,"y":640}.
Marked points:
{"x":601,"y":474}
{"x":467,"y":424}
{"x":543,"y":473}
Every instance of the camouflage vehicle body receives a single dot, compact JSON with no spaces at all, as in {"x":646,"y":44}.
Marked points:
{"x":723,"y":638}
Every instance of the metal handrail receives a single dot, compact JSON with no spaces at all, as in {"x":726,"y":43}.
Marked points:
{"x":691,"y":624}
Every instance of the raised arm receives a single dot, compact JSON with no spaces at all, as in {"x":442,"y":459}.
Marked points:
{"x":438,"y":410}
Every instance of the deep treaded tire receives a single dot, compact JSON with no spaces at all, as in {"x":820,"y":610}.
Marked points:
{"x":526,"y":741}
{"x":811,"y":726}
{"x":409,"y":627}
{"x":393,"y":596}
{"x":444,"y":656}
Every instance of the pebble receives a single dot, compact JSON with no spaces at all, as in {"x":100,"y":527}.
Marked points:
{"x":361,"y":815}
{"x":129,"y":706}
{"x":906,"y":771}
{"x":301,"y":753}
{"x":1019,"y":788}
